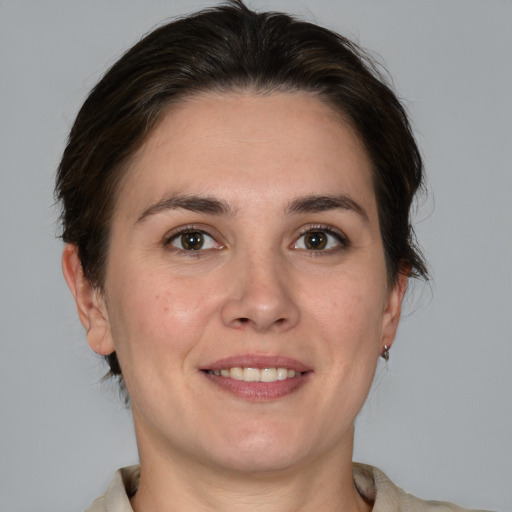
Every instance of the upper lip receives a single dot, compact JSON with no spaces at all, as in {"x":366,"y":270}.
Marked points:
{"x":257,"y":361}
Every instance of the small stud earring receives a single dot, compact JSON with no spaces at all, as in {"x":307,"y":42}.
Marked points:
{"x":385,"y":354}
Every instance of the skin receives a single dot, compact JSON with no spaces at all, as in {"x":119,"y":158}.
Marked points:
{"x":255,"y":288}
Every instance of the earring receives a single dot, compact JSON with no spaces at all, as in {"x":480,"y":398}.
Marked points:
{"x":385,"y":354}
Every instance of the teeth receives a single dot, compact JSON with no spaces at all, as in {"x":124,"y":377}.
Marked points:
{"x":282,"y":373}
{"x":255,"y":374}
{"x":268,"y":375}
{"x":236,"y":373}
{"x":251,"y":375}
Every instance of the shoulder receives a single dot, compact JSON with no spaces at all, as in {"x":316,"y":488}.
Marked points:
{"x":374,"y":485}
{"x":116,"y":499}
{"x":98,"y":505}
{"x":371,"y":483}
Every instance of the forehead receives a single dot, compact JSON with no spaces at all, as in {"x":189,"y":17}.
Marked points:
{"x":248,"y":147}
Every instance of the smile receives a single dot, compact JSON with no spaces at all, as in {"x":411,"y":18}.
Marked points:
{"x":256,"y":374}
{"x":256,"y":377}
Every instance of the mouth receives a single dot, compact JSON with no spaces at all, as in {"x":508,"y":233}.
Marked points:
{"x":249,"y":374}
{"x":258,"y":378}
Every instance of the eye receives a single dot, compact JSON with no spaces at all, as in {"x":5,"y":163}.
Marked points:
{"x":193,"y":240}
{"x":320,"y":239}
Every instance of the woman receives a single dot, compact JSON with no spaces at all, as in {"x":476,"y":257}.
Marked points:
{"x":236,"y":195}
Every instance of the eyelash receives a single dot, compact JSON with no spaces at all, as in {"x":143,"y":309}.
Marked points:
{"x":194,"y":253}
{"x":330,"y":231}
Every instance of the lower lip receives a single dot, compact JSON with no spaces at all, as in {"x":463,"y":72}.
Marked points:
{"x":259,"y":391}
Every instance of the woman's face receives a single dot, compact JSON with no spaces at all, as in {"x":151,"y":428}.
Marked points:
{"x":246,"y":290}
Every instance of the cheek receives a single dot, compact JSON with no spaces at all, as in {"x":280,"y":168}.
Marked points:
{"x":350,"y":327}
{"x":156,"y":317}
{"x":353,"y":309}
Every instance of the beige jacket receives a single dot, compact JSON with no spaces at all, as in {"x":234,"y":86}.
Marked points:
{"x":370,"y":482}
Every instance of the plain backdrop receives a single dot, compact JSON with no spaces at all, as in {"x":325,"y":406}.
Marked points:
{"x":439,"y":418}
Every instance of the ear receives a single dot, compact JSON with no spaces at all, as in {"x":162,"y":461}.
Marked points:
{"x":89,"y":302}
{"x":392,"y":311}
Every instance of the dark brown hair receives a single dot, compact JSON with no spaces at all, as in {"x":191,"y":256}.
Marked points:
{"x":231,"y":48}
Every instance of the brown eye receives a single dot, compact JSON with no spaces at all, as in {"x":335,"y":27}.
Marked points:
{"x":193,"y":241}
{"x":325,"y":240}
{"x":315,"y":240}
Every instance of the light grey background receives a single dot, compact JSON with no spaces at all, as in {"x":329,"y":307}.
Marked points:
{"x":439,"y":419}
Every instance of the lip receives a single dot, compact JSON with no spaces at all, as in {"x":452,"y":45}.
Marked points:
{"x":258,"y":391}
{"x":258,"y":361}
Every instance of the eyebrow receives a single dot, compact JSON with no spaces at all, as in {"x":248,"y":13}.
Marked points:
{"x":213,"y":206}
{"x":315,"y":203}
{"x":198,"y":204}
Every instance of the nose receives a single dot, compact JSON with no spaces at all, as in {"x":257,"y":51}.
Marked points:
{"x":261,"y":298}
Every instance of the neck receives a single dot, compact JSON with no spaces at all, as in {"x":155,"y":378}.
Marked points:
{"x":175,"y":482}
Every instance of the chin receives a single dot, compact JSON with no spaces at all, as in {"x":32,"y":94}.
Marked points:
{"x":253,"y":460}
{"x":261,"y":449}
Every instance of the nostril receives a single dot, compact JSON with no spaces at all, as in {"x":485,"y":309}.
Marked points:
{"x":244,"y":321}
{"x":241,"y":322}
